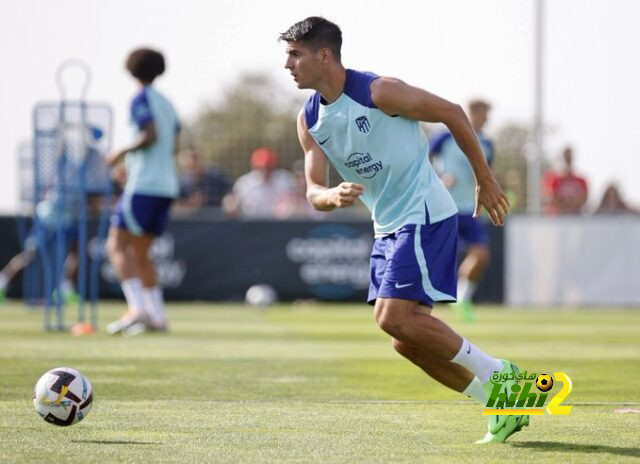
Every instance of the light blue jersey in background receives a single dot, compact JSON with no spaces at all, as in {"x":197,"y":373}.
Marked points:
{"x":448,"y":158}
{"x":388,"y":155}
{"x":152,"y":170}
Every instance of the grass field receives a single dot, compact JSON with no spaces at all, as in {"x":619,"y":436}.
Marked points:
{"x":313,"y":383}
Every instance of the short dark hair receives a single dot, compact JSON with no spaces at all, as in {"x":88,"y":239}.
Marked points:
{"x":145,"y":64}
{"x":317,"y":32}
{"x":479,"y":104}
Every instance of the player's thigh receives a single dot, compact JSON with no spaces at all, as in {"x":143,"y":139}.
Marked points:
{"x":480,"y":252}
{"x":139,"y":245}
{"x":403,"y":308}
{"x":118,"y":239}
{"x":395,"y":315}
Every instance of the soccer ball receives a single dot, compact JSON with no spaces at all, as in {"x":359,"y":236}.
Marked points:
{"x":63,"y":396}
{"x":261,"y":295}
{"x":544,"y":382}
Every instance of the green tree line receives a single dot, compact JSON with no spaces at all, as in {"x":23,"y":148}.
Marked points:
{"x":255,"y":111}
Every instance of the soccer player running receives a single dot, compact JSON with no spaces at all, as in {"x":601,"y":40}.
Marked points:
{"x":151,"y":185}
{"x":456,"y":174}
{"x":368,"y":128}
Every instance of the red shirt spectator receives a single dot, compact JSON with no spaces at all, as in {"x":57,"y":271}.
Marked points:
{"x":566,"y":192}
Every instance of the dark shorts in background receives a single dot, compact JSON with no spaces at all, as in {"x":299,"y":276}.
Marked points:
{"x":417,"y":262}
{"x":141,"y":214}
{"x":471,"y":231}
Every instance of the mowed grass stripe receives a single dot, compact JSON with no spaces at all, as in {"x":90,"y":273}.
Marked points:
{"x":312,"y":383}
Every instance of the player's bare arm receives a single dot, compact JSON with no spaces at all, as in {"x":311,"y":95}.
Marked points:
{"x":395,"y":97}
{"x":316,"y":168}
{"x":146,"y":137}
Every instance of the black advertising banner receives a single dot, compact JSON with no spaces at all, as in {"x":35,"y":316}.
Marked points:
{"x":220,"y":260}
{"x":300,"y":260}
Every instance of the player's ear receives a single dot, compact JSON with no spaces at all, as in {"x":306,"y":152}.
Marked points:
{"x":325,"y":55}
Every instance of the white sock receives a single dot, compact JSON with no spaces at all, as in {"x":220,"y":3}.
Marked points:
{"x":479,"y":363}
{"x":3,"y":281}
{"x":474,"y":390}
{"x":466,"y":289}
{"x":154,"y":304}
{"x":132,"y":289}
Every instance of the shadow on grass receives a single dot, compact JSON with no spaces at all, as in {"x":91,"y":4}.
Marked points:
{"x":117,"y":442}
{"x":577,"y":448}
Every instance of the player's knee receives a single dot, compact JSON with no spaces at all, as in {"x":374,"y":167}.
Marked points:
{"x":400,"y":347}
{"x":138,"y":258}
{"x":388,"y":320}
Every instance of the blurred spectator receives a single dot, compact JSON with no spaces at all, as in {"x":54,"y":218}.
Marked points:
{"x":612,"y":202}
{"x":564,"y":192}
{"x":295,"y":204}
{"x":257,"y":193}
{"x":200,"y":186}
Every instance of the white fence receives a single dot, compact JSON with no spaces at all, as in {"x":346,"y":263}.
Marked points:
{"x":573,"y":261}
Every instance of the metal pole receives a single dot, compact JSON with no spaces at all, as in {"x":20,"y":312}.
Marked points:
{"x":535,"y":160}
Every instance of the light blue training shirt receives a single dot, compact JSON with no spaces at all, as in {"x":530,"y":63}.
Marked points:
{"x":450,"y":159}
{"x":386,"y":154}
{"x":152,"y":170}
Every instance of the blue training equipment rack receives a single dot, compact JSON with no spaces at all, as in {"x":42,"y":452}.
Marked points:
{"x":72,"y":184}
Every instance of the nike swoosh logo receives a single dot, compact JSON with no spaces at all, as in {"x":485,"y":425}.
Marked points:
{"x":323,"y":142}
{"x":403,"y":285}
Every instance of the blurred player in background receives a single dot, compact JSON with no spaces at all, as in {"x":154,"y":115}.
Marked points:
{"x":43,"y":234}
{"x":456,"y":174}
{"x":151,"y":185}
{"x":367,"y":127}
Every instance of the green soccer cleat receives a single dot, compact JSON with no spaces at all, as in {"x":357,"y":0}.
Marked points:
{"x":497,"y":422}
{"x":71,"y":297}
{"x":464,"y":310}
{"x":513,"y":424}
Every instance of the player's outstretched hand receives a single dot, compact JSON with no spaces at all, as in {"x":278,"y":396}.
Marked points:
{"x":346,"y":194}
{"x":490,"y":196}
